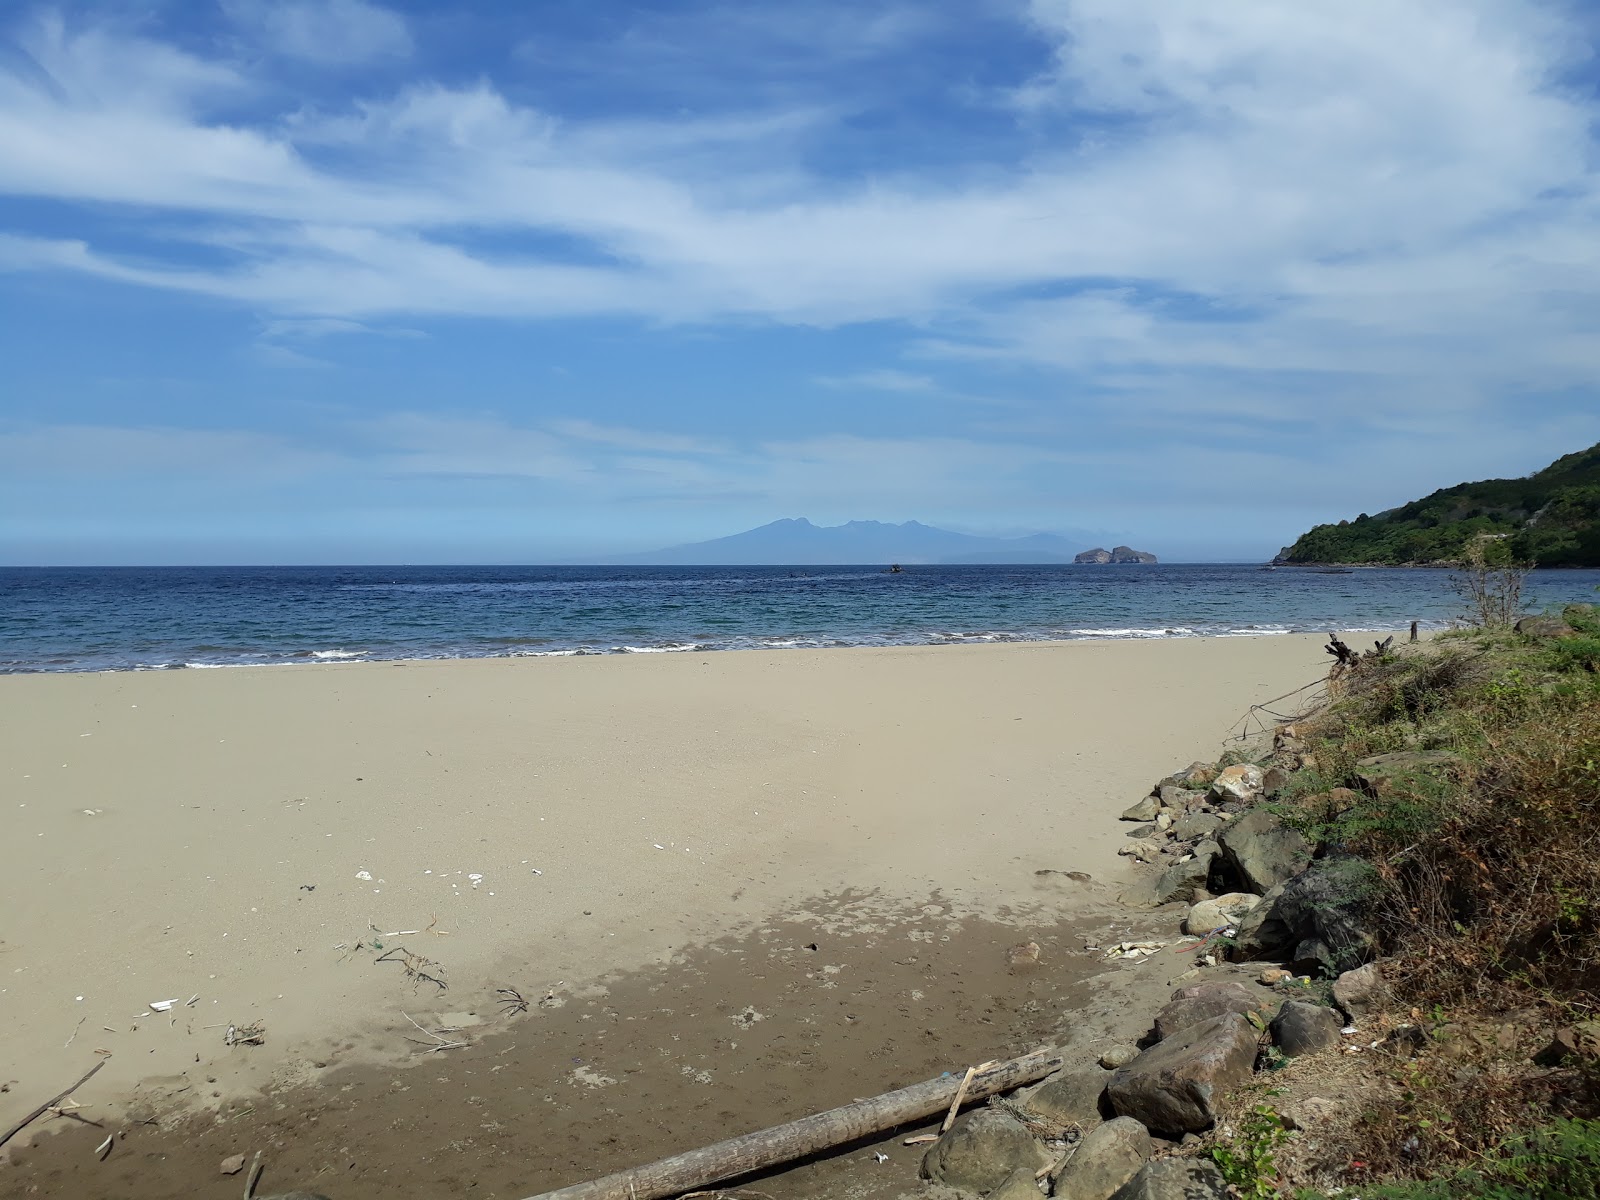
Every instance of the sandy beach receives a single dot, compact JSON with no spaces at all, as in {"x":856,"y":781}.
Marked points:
{"x":257,"y":838}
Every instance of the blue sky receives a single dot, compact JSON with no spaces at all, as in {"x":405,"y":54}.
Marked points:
{"x":349,"y":282}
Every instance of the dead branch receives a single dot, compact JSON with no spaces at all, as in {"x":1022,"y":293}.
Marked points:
{"x":821,"y":1131}
{"x":49,"y":1104}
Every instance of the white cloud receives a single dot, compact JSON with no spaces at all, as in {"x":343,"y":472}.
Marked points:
{"x":329,"y":32}
{"x":882,"y":379}
{"x":1397,"y":200}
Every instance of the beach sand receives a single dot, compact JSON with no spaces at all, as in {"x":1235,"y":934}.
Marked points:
{"x":582,"y":830}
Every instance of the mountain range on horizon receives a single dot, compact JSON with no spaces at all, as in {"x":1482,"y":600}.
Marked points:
{"x":795,"y":541}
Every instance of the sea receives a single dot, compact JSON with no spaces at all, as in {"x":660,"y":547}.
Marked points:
{"x":163,"y":618}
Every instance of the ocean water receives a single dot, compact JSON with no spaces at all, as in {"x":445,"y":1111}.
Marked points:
{"x":92,"y":619}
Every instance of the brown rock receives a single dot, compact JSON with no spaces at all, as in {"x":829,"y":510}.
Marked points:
{"x":1070,"y":1097}
{"x":1107,"y":1158}
{"x":1241,"y":782}
{"x":1202,"y":1001}
{"x":1175,"y":1087}
{"x":1118,"y":1056}
{"x":1175,"y":1179}
{"x":1019,"y":1185}
{"x":232,"y":1165}
{"x":981,"y":1150}
{"x":1360,"y":991}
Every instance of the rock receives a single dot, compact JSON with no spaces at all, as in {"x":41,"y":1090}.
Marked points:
{"x":1142,"y":831}
{"x":1143,"y":810}
{"x":1304,"y":1028}
{"x":1199,"y":1002}
{"x":1173,"y":796}
{"x":1208,"y":852}
{"x":1316,"y":920}
{"x":1544,"y":627}
{"x":1019,"y":1185}
{"x":1274,"y":780}
{"x":1175,"y":1179}
{"x":1118,"y":1056}
{"x":1142,"y":849}
{"x":232,"y":1165}
{"x":1219,"y":911}
{"x":1174,"y":1087}
{"x":1241,"y":782}
{"x":1197,"y":775}
{"x":1099,"y":555}
{"x":1578,"y":1041}
{"x":1109,"y":1156}
{"x":1360,"y":991}
{"x":1127,"y":554}
{"x":1164,"y":820}
{"x":1067,"y":1098}
{"x":1181,"y":881}
{"x":1262,"y":850}
{"x":981,"y":1150}
{"x":1273,"y":976}
{"x":1383,"y":773}
{"x":1196,"y":825}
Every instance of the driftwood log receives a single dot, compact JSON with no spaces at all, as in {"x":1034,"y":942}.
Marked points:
{"x":821,"y":1131}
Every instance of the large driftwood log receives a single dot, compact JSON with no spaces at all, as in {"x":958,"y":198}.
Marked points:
{"x":821,"y":1131}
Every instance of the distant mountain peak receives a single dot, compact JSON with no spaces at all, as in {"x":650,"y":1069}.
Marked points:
{"x":795,"y":541}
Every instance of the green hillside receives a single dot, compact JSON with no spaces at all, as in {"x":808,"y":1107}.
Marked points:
{"x":1551,"y":518}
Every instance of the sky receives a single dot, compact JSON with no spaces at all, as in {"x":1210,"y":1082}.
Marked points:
{"x":285,"y":281}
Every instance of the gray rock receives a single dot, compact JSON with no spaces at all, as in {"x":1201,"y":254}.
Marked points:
{"x":1117,"y":1056}
{"x":1107,"y":1158}
{"x":1360,"y":991}
{"x":1141,"y":831}
{"x":1019,"y":1185}
{"x":1304,"y":1028}
{"x":982,"y":1148}
{"x":1142,"y":810}
{"x":1195,"y":826}
{"x":1383,"y":773}
{"x":1239,"y":782}
{"x":1175,"y":1179}
{"x":1069,"y":1097}
{"x":1200,"y":1002}
{"x":1263,"y":850}
{"x":1274,"y":780}
{"x":1175,"y":1087}
{"x":1316,"y":920}
{"x":1544,"y":627}
{"x":1181,"y":881}
{"x":1227,"y":909}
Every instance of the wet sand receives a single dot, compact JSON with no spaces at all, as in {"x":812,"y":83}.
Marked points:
{"x":205,"y":833}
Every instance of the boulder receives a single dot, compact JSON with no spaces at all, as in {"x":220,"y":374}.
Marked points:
{"x":1181,"y":881}
{"x":1218,"y":912}
{"x":1118,"y":1056}
{"x":981,"y":1150}
{"x":1383,"y":773}
{"x":1070,"y":1097}
{"x":1360,"y":991}
{"x":1195,"y":826}
{"x":1571,"y":1042}
{"x":1304,"y":1028}
{"x":1019,"y":1185}
{"x":1197,"y":775}
{"x":1544,"y":627}
{"x":1316,"y":920}
{"x":1241,"y":782}
{"x":1175,"y":1179}
{"x":1263,"y":850}
{"x":1174,"y":1087}
{"x":1107,"y":1158}
{"x":1142,"y":810}
{"x":1199,"y":1002}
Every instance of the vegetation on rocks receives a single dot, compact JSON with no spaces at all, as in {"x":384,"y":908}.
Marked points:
{"x":1551,"y":518}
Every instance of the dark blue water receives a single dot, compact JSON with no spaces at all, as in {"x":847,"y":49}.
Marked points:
{"x":71,"y":619}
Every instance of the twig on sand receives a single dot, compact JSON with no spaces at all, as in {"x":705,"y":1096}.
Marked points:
{"x":75,"y":1029}
{"x":511,"y":1001}
{"x":416,"y":966}
{"x":49,"y":1104}
{"x":104,"y":1148}
{"x":438,"y":1043}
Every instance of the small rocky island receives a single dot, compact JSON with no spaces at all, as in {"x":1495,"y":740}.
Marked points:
{"x":1122,"y":554}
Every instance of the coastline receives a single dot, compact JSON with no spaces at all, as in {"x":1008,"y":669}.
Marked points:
{"x":202,"y":833}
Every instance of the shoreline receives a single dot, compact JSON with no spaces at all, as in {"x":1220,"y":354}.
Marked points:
{"x":203,"y":832}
